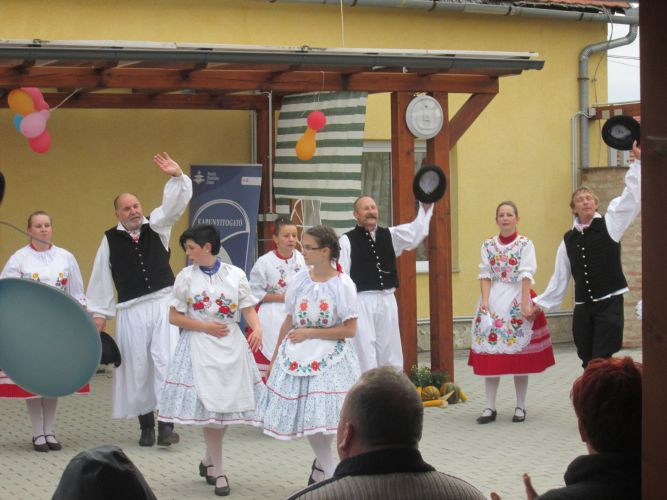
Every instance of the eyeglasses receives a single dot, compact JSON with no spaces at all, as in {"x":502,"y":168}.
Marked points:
{"x":308,"y":248}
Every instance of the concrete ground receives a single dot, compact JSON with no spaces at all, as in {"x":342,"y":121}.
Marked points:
{"x":492,"y":457}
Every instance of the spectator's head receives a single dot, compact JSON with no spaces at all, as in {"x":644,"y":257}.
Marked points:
{"x":607,"y":399}
{"x":382,"y":410}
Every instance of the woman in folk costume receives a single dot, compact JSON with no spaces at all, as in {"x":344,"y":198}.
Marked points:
{"x":44,"y":262}
{"x":506,"y":339}
{"x":314,"y":364}
{"x":269,"y":278}
{"x":212,"y":380}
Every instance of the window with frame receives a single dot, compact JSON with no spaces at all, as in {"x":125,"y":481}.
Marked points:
{"x":376,"y":182}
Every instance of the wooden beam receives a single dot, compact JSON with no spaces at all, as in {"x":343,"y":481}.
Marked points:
{"x":262,"y":134}
{"x":440,"y":253}
{"x":466,"y":115}
{"x":403,"y":204}
{"x":628,"y":108}
{"x":162,"y":101}
{"x":240,"y":80}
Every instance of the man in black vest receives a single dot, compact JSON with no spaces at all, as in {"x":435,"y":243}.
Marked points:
{"x":591,"y":253}
{"x":133,"y":258}
{"x":368,"y":254}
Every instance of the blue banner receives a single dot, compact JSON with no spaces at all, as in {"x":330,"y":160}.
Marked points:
{"x":227,"y":197}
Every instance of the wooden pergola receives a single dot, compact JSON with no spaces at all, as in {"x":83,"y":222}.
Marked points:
{"x":141,"y":75}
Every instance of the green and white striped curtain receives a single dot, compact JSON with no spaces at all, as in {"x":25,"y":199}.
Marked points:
{"x":333,"y":174}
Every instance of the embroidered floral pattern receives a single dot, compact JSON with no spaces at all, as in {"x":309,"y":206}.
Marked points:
{"x":280,"y":286}
{"x":61,"y":282}
{"x":505,"y":261}
{"x":225,"y":308}
{"x":504,"y":330}
{"x":314,"y":366}
{"x":302,"y":314}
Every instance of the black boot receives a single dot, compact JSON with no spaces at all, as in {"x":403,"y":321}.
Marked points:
{"x":147,"y":424}
{"x":166,"y":435}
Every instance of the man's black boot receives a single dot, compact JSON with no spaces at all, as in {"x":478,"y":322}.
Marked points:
{"x":147,"y":424}
{"x":166,"y":435}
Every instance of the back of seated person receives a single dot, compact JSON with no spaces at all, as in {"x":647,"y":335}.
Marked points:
{"x":607,"y":400}
{"x":378,"y":436}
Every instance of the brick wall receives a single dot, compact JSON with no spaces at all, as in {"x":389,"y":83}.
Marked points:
{"x":607,"y":184}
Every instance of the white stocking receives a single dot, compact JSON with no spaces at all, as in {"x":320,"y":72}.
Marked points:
{"x":521,"y":387}
{"x":49,"y":410}
{"x":491,"y":386}
{"x":321,"y":445}
{"x":213,"y":439}
{"x":35,"y":411}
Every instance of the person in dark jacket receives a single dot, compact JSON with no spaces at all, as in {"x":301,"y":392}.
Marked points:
{"x":607,"y":400}
{"x":378,"y":436}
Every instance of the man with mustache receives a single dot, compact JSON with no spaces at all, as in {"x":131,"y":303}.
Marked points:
{"x":133,"y":257}
{"x":368,"y":254}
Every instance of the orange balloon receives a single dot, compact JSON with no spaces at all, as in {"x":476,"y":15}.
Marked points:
{"x":305,"y":147}
{"x":20,"y":102}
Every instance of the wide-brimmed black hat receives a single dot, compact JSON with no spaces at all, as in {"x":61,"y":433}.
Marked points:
{"x":110,"y":351}
{"x":429,"y":184}
{"x":619,"y":132}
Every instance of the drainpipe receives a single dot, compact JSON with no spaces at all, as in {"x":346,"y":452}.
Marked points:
{"x":583,"y":86}
{"x":631,"y":15}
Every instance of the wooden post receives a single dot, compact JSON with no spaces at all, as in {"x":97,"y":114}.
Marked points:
{"x":402,"y":173}
{"x":440,"y":253}
{"x":264,"y":228}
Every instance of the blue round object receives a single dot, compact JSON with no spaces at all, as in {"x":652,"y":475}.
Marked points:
{"x":48,"y":343}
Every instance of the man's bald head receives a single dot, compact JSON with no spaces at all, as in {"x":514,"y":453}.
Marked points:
{"x":128,"y":211}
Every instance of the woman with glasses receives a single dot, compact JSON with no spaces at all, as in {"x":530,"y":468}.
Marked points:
{"x":314,"y":364}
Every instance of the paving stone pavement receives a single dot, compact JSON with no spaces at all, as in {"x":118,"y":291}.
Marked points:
{"x":493,"y":457}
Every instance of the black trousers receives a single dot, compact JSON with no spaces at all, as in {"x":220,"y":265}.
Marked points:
{"x":597,"y":328}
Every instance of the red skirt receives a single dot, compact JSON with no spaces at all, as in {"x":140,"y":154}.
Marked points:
{"x":8,"y":389}
{"x":536,"y":357}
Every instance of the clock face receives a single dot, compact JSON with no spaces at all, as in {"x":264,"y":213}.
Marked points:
{"x":424,"y":117}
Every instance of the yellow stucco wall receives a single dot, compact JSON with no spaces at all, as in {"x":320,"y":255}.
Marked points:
{"x":518,"y":149}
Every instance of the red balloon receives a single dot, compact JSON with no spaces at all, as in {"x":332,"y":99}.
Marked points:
{"x":316,"y":120}
{"x":41,"y":143}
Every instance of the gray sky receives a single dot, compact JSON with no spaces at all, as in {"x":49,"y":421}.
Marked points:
{"x":623,"y":68}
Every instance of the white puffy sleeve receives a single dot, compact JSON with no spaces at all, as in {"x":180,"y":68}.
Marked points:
{"x":258,"y":280}
{"x":346,"y":302}
{"x":175,"y":198}
{"x":246,"y":298}
{"x":409,"y":236}
{"x":12,"y":268}
{"x":528,"y":262}
{"x":344,"y":258}
{"x":180,"y":290}
{"x":75,"y":284}
{"x":553,"y":295}
{"x":100,"y":294}
{"x":484,"y":265}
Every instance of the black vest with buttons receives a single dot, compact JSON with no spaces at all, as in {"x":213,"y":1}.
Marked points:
{"x":138,"y":268}
{"x":595,"y":260}
{"x":373,"y":263}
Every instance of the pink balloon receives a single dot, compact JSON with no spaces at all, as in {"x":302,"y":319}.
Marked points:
{"x":33,"y":125}
{"x":316,"y":120}
{"x":37,"y":97}
{"x":41,"y":143}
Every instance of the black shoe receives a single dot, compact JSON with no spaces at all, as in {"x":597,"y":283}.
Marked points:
{"x":55,"y":445}
{"x":147,"y":437}
{"x":311,"y":479}
{"x":166,"y":435}
{"x":222,"y":491}
{"x":517,"y":418}
{"x":39,"y":447}
{"x":203,"y":472}
{"x":485,"y":419}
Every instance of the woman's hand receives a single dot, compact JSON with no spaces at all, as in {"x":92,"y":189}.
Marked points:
{"x":299,"y":335}
{"x":215,"y":329}
{"x":484,"y":307}
{"x":528,"y":311}
{"x":255,"y":339}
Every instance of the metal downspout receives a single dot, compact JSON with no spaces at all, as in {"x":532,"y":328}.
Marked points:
{"x":583,"y":86}
{"x":631,"y":17}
